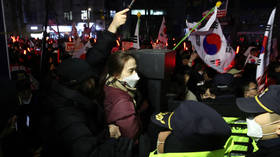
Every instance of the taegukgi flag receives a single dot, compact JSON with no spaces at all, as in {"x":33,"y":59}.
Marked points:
{"x":211,"y":45}
{"x":136,"y":42}
{"x":162,"y":35}
{"x":265,"y":53}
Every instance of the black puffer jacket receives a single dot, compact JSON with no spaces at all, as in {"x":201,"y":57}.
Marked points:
{"x":98,"y":54}
{"x":73,"y":126}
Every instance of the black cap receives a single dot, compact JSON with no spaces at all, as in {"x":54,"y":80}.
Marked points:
{"x":74,"y":70}
{"x":223,"y":80}
{"x":267,"y":101}
{"x":194,"y":126}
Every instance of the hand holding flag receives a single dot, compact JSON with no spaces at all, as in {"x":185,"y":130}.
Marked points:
{"x":119,"y":19}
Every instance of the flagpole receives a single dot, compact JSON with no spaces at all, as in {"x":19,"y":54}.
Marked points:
{"x":218,"y":4}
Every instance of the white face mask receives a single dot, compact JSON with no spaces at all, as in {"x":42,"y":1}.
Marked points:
{"x":132,"y":80}
{"x":255,"y":130}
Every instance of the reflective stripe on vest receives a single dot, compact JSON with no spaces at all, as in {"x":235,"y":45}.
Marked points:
{"x":239,"y":135}
{"x":216,"y":153}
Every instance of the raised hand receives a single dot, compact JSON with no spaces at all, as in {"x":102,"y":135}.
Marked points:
{"x":119,"y":19}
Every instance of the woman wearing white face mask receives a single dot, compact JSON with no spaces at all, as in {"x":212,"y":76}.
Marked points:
{"x":119,"y":91}
{"x":265,"y":127}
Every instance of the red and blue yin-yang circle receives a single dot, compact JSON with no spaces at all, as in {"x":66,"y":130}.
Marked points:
{"x":212,"y":43}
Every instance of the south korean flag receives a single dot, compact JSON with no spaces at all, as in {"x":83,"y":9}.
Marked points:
{"x":212,"y":46}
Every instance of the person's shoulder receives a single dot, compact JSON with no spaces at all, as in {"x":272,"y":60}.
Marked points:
{"x":116,"y":96}
{"x":115,"y":92}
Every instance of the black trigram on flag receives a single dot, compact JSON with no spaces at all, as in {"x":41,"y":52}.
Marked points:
{"x":133,"y":39}
{"x":259,"y":61}
{"x":267,"y":27}
{"x":228,"y":49}
{"x":214,"y":25}
{"x":216,"y":62}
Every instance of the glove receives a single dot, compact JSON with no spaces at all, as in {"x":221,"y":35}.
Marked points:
{"x":124,"y":147}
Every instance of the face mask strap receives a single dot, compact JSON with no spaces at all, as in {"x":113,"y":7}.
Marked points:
{"x":267,"y":134}
{"x":275,"y":122}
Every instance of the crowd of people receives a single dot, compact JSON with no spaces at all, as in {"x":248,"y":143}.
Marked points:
{"x":93,"y":106}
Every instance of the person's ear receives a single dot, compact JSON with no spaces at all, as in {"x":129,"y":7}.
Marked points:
{"x":246,"y":94}
{"x":278,"y":130}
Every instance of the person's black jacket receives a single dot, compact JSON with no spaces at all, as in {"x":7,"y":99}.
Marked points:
{"x":71,"y":125}
{"x":98,"y":54}
{"x":267,"y":148}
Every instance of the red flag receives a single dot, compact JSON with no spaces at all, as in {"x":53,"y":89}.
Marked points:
{"x":74,"y":31}
{"x":162,"y":35}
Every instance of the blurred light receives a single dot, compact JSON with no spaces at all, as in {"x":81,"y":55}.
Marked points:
{"x":84,"y":15}
{"x":89,"y":9}
{"x":156,"y":12}
{"x":237,"y":50}
{"x":112,"y":13}
{"x":98,"y":28}
{"x":34,"y":28}
{"x":135,"y":11}
{"x":37,"y":35}
{"x":14,"y":38}
{"x":118,"y":43}
{"x":62,"y":29}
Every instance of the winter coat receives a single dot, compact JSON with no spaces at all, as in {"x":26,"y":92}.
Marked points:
{"x":120,"y":110}
{"x":71,"y":125}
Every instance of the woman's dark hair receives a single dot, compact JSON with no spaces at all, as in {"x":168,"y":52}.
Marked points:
{"x":114,"y":67}
{"x":116,"y":63}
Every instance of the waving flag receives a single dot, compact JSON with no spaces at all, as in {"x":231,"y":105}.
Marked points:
{"x":162,"y":35}
{"x":265,"y":53}
{"x":74,"y":32}
{"x":136,"y":43}
{"x":211,"y":45}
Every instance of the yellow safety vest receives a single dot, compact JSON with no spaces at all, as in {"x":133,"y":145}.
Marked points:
{"x":216,"y":153}
{"x":240,"y":138}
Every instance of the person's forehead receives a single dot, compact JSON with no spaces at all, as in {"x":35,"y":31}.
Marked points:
{"x":266,"y":117}
{"x":252,"y":84}
{"x":131,"y":63}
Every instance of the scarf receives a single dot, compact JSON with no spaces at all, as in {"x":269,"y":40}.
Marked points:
{"x":115,"y":83}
